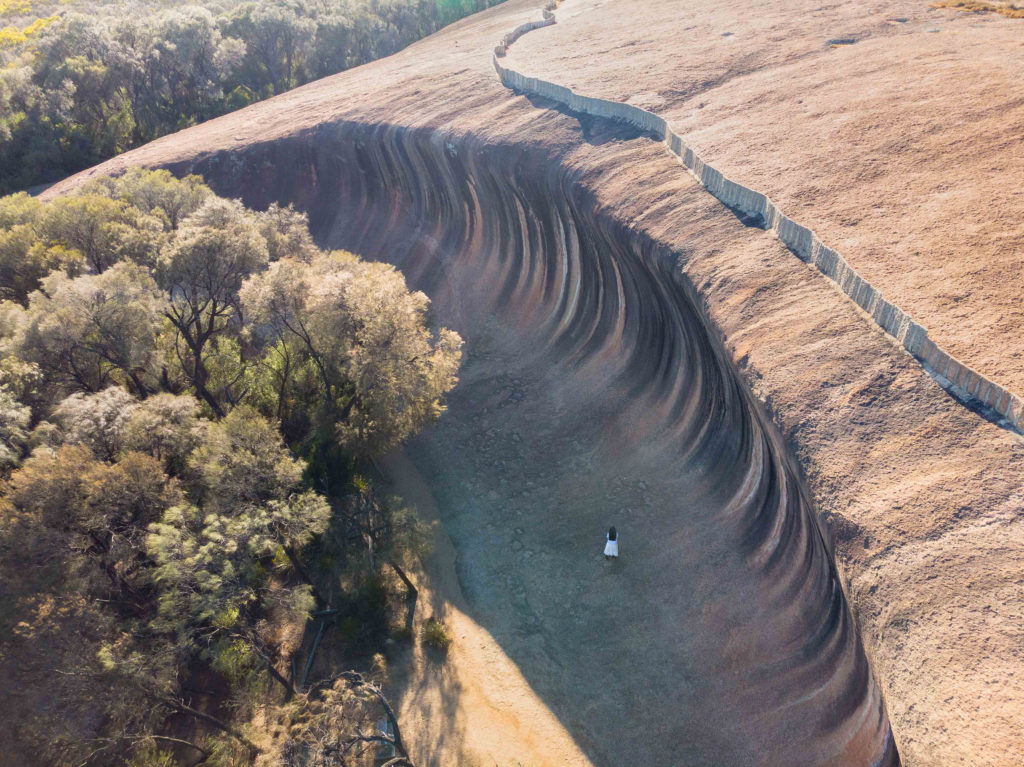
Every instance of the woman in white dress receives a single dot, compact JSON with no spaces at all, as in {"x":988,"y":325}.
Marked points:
{"x":611,"y":546}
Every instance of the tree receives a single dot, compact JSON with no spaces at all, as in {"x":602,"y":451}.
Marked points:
{"x":167,"y":427}
{"x":91,"y":225}
{"x":76,"y":55}
{"x":276,"y":40}
{"x":336,"y":726}
{"x":80,"y":86}
{"x":15,"y":85}
{"x":389,"y":531}
{"x":157,"y":193}
{"x":95,"y":330}
{"x":99,"y":121}
{"x":24,"y":380}
{"x":212,"y":554}
{"x":382,"y":373}
{"x":242,"y":460}
{"x":97,"y":421}
{"x":216,"y":249}
{"x":75,"y":574}
{"x":171,"y":528}
{"x":192,"y":61}
{"x":333,"y":44}
{"x":24,"y":260}
{"x":163,"y":582}
{"x":52,"y":627}
{"x":286,"y":231}
{"x":102,"y":509}
{"x":16,"y":209}
{"x":14,"y":420}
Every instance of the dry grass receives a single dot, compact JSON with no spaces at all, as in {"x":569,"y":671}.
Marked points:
{"x":436,"y":634}
{"x":983,"y":6}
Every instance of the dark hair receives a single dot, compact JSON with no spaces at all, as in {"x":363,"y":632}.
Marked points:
{"x":612,"y":535}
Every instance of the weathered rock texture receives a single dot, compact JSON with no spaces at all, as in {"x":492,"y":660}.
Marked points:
{"x":887,"y":129}
{"x":618,"y":317}
{"x":976,"y":389}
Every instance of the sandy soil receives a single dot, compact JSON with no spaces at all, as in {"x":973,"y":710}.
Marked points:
{"x":923,"y":496}
{"x":471,"y":705}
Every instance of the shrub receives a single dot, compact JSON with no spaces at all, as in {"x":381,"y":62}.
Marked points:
{"x":150,"y":756}
{"x":435,"y":633}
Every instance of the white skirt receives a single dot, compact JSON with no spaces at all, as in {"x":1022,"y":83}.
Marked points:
{"x":611,"y":549}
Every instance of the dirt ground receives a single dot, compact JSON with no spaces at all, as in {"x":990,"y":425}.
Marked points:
{"x":881,"y":146}
{"x":470,"y":705}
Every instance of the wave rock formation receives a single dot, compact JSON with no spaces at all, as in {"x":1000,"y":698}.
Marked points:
{"x":617,"y":318}
{"x":727,"y":639}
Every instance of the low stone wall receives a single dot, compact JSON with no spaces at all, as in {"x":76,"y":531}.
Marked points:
{"x":961,"y":380}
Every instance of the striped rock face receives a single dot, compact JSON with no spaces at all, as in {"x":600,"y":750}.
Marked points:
{"x":595,"y":392}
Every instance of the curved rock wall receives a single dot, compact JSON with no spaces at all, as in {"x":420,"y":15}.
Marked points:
{"x":960,"y":380}
{"x":730,"y":641}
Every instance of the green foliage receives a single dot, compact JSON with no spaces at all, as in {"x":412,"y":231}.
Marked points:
{"x":242,"y":459}
{"x":18,"y":209}
{"x":92,"y":331}
{"x":214,"y":561}
{"x":402,"y":633}
{"x":165,"y":426}
{"x":234,"y":659}
{"x":87,"y":83}
{"x":155,"y":193}
{"x":435,"y":633}
{"x":14,"y":420}
{"x":379,"y":372}
{"x":97,"y":421}
{"x":24,"y":260}
{"x":23,"y":380}
{"x":156,"y":349}
{"x":326,"y":728}
{"x":98,"y":229}
{"x":151,"y":756}
{"x":215,"y":249}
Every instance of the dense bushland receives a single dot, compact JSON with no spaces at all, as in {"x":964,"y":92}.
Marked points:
{"x":81,"y":80}
{"x":186,"y":389}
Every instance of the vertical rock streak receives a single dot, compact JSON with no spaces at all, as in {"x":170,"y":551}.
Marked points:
{"x":505,"y":234}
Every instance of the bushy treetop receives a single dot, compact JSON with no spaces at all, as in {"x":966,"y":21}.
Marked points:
{"x":167,"y":358}
{"x":81,"y":80}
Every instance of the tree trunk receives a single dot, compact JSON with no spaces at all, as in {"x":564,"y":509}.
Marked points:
{"x":268,"y":657}
{"x":356,"y":680}
{"x":401,"y":574}
{"x":141,"y":389}
{"x":399,"y":745}
{"x":195,"y":345}
{"x":199,"y":383}
{"x":312,"y":652}
{"x":289,"y":691}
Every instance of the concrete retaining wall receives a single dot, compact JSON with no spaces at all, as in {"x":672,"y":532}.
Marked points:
{"x":799,"y":239}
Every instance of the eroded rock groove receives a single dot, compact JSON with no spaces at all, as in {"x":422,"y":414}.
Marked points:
{"x":728,"y":640}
